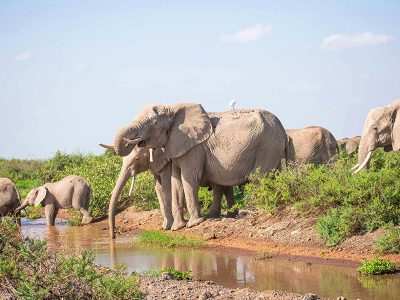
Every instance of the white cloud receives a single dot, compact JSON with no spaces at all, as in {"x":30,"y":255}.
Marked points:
{"x":246,"y":35}
{"x":305,"y":88}
{"x":23,"y":56}
{"x":80,"y":68}
{"x":347,"y":41}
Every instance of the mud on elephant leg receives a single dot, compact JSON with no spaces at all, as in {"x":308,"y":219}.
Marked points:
{"x":87,"y":218}
{"x":191,"y":189}
{"x":177,"y":199}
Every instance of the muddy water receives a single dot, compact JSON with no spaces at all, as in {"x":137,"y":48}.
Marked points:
{"x":226,"y":269}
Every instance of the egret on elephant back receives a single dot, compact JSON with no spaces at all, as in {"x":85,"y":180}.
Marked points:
{"x":200,"y":153}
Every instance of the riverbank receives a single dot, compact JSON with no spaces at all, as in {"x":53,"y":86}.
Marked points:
{"x":286,"y":233}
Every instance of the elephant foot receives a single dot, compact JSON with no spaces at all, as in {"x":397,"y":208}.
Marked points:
{"x":86,"y":220}
{"x":232,"y":214}
{"x":178,"y":225}
{"x":194,"y":221}
{"x":213,"y":215}
{"x":167,"y":224}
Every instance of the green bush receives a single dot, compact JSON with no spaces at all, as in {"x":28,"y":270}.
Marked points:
{"x":20,"y":169}
{"x":176,"y":274}
{"x":347,"y":204}
{"x":377,"y":266}
{"x":28,"y":271}
{"x":389,"y":242}
{"x":162,"y":239}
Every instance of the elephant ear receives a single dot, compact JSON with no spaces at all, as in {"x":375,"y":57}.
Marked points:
{"x":159,"y":160}
{"x":396,"y":131}
{"x":191,"y":126}
{"x":41,"y":194}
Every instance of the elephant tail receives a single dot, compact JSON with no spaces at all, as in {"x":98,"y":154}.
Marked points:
{"x":287,"y":142}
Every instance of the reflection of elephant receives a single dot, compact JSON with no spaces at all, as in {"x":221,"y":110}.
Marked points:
{"x":71,"y":191}
{"x":312,"y":144}
{"x":9,"y":197}
{"x":244,"y":141}
{"x":349,"y":145}
{"x":381,"y":129}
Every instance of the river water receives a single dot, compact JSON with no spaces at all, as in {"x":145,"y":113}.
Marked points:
{"x":227,"y":269}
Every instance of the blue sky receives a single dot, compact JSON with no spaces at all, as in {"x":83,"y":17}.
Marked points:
{"x":73,"y":72}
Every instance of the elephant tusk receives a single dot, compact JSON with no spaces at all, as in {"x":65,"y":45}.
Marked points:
{"x":133,"y":142}
{"x":366,"y":160}
{"x":132,"y":183}
{"x":151,"y":154}
{"x":106,"y":146}
{"x":355,"y":167}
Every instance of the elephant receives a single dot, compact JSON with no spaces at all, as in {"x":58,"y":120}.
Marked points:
{"x":311,"y":144}
{"x":241,"y":142}
{"x":10,"y":198}
{"x":139,"y":161}
{"x":381,"y":129}
{"x":70,"y":192}
{"x":349,"y":145}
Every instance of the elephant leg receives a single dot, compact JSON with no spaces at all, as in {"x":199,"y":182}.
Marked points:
{"x":87,"y":218}
{"x":177,"y":199}
{"x":230,"y":201}
{"x":215,"y":209}
{"x":50,"y":212}
{"x":163,"y":190}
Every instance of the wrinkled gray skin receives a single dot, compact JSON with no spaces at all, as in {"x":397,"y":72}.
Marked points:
{"x":311,"y":144}
{"x":381,"y":129}
{"x":70,"y":192}
{"x":350,"y":145}
{"x":242,"y":141}
{"x":9,"y":197}
{"x":139,"y":161}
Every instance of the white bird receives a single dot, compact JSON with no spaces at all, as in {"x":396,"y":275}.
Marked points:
{"x":232,"y":104}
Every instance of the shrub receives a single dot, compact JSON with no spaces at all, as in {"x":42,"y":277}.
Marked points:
{"x":347,"y":204}
{"x":389,"y":242}
{"x":377,"y":266}
{"x":162,"y":239}
{"x":20,"y":169}
{"x":28,"y":271}
{"x":176,"y":274}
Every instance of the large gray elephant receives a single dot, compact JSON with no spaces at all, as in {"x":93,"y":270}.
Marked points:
{"x":349,"y":145}
{"x":139,"y":161}
{"x":381,"y":129}
{"x":225,"y":156}
{"x":10,"y":198}
{"x":311,"y":144}
{"x":70,"y":192}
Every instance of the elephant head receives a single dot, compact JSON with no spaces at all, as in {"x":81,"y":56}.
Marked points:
{"x":138,"y":161}
{"x":177,"y":128}
{"x":349,"y":145}
{"x":381,"y":129}
{"x":35,"y":197}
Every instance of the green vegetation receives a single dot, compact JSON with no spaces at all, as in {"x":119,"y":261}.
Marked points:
{"x":28,"y":271}
{"x":377,"y":266}
{"x":162,"y":239}
{"x":389,"y":242}
{"x":345,"y":204}
{"x":176,"y":274}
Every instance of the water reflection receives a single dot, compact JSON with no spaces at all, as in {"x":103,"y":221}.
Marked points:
{"x":229,"y":270}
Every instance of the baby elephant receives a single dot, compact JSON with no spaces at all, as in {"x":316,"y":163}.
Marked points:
{"x":9,"y":197}
{"x":71,"y":191}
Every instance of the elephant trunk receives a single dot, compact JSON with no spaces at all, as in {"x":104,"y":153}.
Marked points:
{"x":122,"y":179}
{"x":22,"y":206}
{"x":125,"y":139}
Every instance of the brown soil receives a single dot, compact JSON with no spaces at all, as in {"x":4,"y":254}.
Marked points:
{"x":162,"y":288}
{"x":284,"y":234}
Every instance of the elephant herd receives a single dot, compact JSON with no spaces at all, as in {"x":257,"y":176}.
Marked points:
{"x":186,"y":148}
